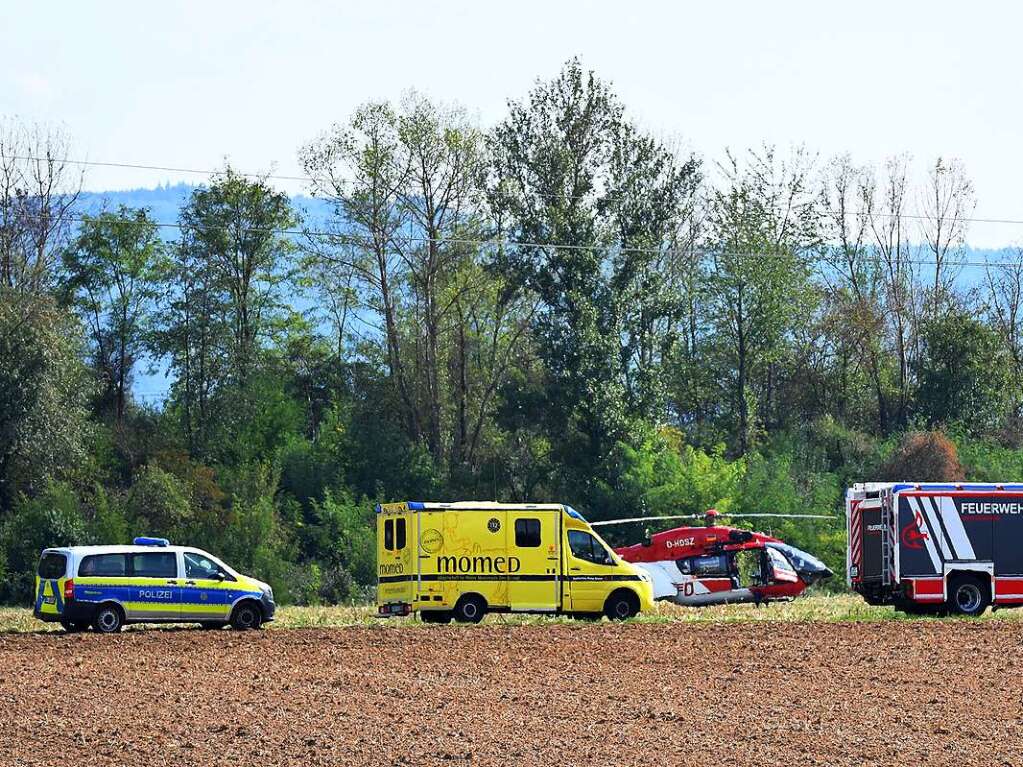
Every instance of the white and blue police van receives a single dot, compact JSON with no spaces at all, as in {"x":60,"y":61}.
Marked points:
{"x":150,"y":581}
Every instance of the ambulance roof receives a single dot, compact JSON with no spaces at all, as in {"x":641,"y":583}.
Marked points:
{"x":483,"y":506}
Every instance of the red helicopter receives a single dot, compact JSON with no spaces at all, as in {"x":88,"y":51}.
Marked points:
{"x":716,"y":564}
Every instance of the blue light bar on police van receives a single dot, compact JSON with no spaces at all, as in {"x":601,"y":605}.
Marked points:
{"x":151,"y":542}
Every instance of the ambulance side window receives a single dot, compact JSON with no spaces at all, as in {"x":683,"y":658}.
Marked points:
{"x":389,"y":534}
{"x":527,"y":533}
{"x":399,"y":534}
{"x":585,"y":546}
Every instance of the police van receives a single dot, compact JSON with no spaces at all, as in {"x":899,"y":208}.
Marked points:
{"x":149,"y":582}
{"x":462,"y":560}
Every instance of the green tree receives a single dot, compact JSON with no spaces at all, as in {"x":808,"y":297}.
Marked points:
{"x":115,"y":270}
{"x":962,"y":373}
{"x":762,"y":222}
{"x":158,"y":503}
{"x":44,"y":388}
{"x":600,"y":206}
{"x":239,"y":226}
{"x":52,"y":518}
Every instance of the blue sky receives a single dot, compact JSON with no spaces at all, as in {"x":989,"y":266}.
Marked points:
{"x":190,"y":83}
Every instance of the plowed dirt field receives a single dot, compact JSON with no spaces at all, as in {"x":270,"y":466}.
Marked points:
{"x":756,"y":694}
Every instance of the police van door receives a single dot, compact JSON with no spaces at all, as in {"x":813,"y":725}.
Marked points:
{"x":534,"y":546}
{"x":207,"y":592}
{"x":156,"y":587}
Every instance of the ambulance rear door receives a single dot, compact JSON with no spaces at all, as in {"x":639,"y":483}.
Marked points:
{"x":396,"y":568}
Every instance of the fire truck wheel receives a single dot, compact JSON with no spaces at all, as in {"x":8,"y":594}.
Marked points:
{"x":967,"y":595}
{"x":621,"y":606}
{"x":470,"y":609}
{"x":435,"y":616}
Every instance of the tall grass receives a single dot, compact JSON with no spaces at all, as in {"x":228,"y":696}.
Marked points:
{"x":825,"y":608}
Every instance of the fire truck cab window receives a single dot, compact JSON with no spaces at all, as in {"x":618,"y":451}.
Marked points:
{"x":389,"y":534}
{"x":399,"y":534}
{"x":527,"y":533}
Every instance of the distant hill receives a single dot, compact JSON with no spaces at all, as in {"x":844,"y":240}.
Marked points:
{"x":164,"y":202}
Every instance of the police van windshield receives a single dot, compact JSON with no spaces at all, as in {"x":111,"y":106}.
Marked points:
{"x":199,"y":564}
{"x":53,"y":564}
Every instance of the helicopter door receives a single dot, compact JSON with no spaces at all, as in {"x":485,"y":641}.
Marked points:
{"x":707,"y":580}
{"x":777,"y":568}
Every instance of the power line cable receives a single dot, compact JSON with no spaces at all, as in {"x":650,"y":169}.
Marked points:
{"x":314,"y":180}
{"x":696,"y":253}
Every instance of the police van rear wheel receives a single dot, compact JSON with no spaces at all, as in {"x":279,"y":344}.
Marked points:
{"x":621,"y":606}
{"x":967,"y":595}
{"x":246,"y":616}
{"x":470,"y":609}
{"x":108,"y":619}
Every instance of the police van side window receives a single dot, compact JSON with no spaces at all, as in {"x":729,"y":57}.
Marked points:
{"x":527,"y":533}
{"x":399,"y":534}
{"x":155,"y":565}
{"x":198,"y":566}
{"x":104,"y":565}
{"x":389,"y":534}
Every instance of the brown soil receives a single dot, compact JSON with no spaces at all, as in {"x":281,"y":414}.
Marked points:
{"x":899,"y":693}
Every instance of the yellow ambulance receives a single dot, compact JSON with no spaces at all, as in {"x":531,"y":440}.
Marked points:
{"x":463,"y":560}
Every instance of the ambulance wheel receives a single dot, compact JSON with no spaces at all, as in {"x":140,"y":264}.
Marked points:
{"x":967,"y":596}
{"x":108,"y":619}
{"x":435,"y":616}
{"x":247,"y":615}
{"x":621,"y":606}
{"x":470,"y":609}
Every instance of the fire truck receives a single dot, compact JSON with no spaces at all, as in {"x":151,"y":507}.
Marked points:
{"x":936,"y":548}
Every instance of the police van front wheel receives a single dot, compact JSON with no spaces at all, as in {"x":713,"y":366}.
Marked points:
{"x":246,"y":616}
{"x":470,"y":609}
{"x":108,"y":619}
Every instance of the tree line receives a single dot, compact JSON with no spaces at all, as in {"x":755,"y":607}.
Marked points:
{"x":561,"y":306}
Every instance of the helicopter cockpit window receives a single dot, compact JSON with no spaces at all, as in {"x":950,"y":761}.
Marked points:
{"x":704,"y":567}
{"x":781,"y":568}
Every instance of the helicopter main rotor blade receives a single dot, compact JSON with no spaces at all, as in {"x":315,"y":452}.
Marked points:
{"x":702,"y":516}
{"x":645,"y":519}
{"x":786,"y":516}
